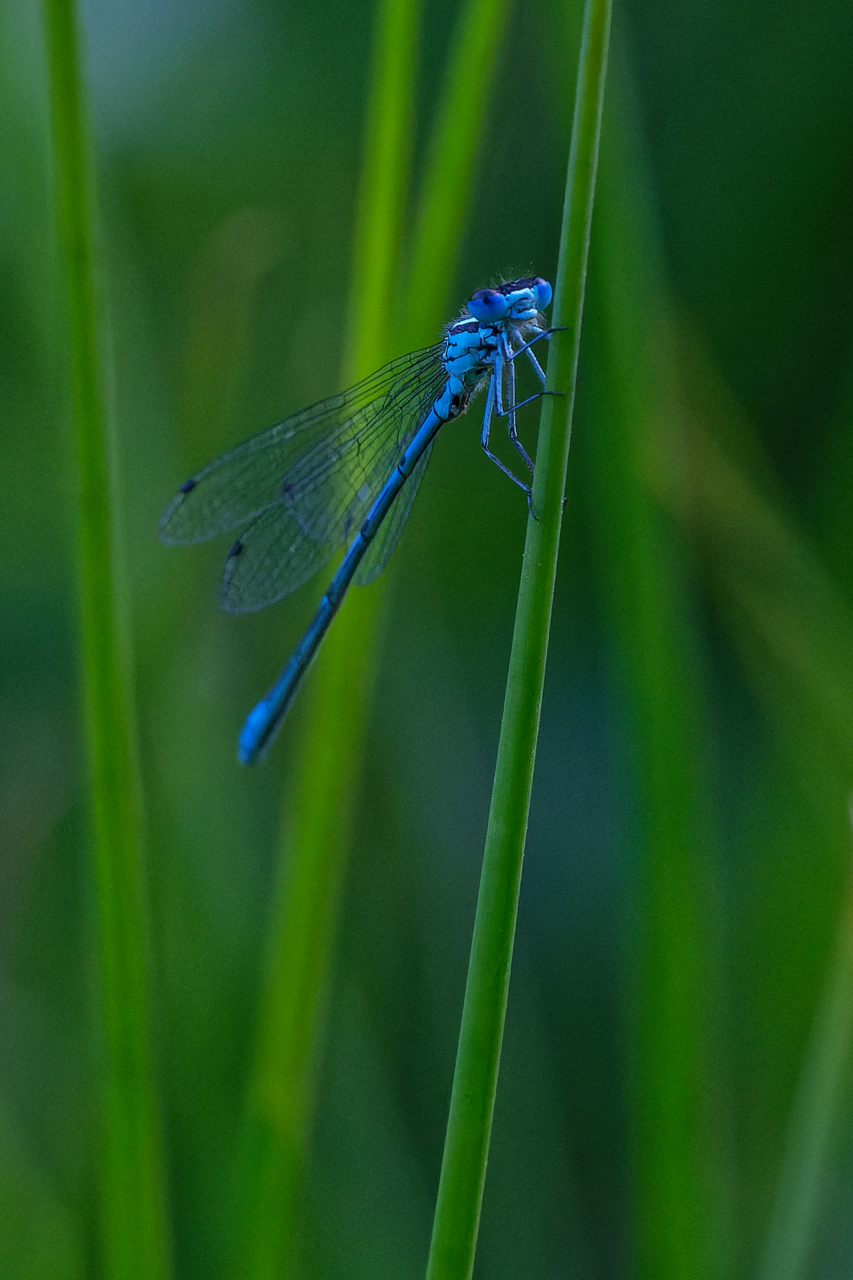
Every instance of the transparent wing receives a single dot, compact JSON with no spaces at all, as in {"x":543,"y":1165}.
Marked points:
{"x":272,"y":558}
{"x":316,"y":465}
{"x":386,"y":539}
{"x":302,"y":488}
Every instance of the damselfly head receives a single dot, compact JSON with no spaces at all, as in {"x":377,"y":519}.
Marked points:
{"x":518,"y":300}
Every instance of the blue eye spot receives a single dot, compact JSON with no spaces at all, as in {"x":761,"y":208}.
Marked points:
{"x":543,"y":293}
{"x":488,"y":304}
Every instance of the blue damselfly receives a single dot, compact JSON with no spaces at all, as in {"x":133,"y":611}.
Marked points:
{"x":345,"y":473}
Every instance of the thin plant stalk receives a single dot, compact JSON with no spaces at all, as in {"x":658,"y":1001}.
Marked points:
{"x":321,"y":794}
{"x":446,"y":187}
{"x":132,"y":1179}
{"x":466,"y":1147}
{"x":794,"y":631}
{"x":643,"y":585}
{"x":384,"y":187}
{"x":816,"y":1111}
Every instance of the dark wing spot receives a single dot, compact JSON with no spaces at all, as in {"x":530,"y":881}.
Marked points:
{"x":286,"y":488}
{"x":236,"y":549}
{"x":188,"y":486}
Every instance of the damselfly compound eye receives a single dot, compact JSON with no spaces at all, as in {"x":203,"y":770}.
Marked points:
{"x":543,"y":292}
{"x":488,"y":304}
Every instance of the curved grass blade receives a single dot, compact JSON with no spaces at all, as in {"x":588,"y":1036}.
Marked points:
{"x":135,"y":1241}
{"x":466,"y":1147}
{"x":815,"y":1117}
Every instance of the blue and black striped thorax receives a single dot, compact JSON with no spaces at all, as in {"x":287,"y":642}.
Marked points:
{"x":474,"y":342}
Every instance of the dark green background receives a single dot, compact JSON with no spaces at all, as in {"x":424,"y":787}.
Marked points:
{"x":229,"y":143}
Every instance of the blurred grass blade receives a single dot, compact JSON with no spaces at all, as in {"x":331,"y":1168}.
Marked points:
{"x":320,"y":798}
{"x":794,"y":628}
{"x":131,"y":1173}
{"x":795,"y":635}
{"x":448,"y":172}
{"x":816,"y":1113}
{"x":644,"y":586}
{"x":475,"y":1078}
{"x":384,"y":186}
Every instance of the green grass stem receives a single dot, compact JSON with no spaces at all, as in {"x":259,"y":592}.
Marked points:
{"x":132,"y":1180}
{"x":795,"y":632}
{"x":321,"y":793}
{"x":816,"y":1114}
{"x":384,"y":187}
{"x":466,"y":1148}
{"x":446,"y":187}
{"x":643,"y":583}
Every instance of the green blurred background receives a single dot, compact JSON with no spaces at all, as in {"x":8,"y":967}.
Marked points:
{"x":229,"y":138}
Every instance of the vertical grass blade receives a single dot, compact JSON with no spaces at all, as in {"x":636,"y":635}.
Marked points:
{"x":384,"y":186}
{"x":321,"y":792}
{"x":794,"y":632}
{"x":453,"y":146}
{"x":817,"y":1110}
{"x":135,"y":1239}
{"x":475,"y":1078}
{"x":644,"y":591}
